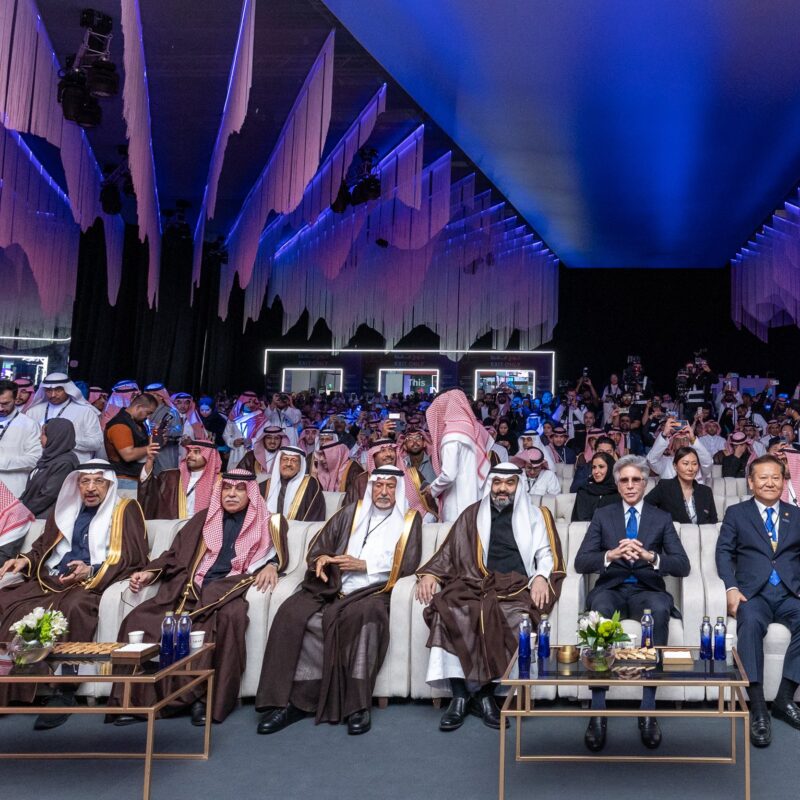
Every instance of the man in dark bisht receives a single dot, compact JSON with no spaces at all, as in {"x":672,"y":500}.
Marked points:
{"x":501,"y":559}
{"x":212,"y":563}
{"x":180,"y":493}
{"x":56,"y":462}
{"x":91,"y":540}
{"x":289,"y":491}
{"x":381,"y":453}
{"x":328,"y":640}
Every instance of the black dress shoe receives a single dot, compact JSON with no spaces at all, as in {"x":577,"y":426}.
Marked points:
{"x":198,"y":713}
{"x":279,"y":718}
{"x":123,"y":720}
{"x":760,"y":729}
{"x":487,"y":709}
{"x":359,"y":723}
{"x":453,"y":717}
{"x":788,"y":712}
{"x":650,"y":732}
{"x":46,"y":722}
{"x":595,"y":736}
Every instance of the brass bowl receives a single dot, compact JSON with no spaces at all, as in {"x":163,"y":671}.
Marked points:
{"x":567,"y":654}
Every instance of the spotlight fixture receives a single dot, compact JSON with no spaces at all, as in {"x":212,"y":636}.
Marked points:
{"x":89,"y":73}
{"x":367,"y":186}
{"x":115,"y":179}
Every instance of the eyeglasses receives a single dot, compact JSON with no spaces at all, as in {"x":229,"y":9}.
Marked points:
{"x":92,"y":482}
{"x":631,"y":481}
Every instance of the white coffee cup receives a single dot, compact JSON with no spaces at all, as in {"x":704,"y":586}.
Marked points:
{"x":136,"y":637}
{"x":196,"y":639}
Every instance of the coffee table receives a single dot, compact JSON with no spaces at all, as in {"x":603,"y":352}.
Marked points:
{"x":519,"y":705}
{"x":101,"y":669}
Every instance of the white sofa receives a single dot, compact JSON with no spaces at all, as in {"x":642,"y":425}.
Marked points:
{"x":777,"y":639}
{"x":689,"y":599}
{"x":419,"y":689}
{"x":333,"y":502}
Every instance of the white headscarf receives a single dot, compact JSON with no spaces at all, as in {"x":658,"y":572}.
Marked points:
{"x":530,"y":532}
{"x":69,"y":505}
{"x":291,"y":487}
{"x":399,"y":511}
{"x":59,"y":379}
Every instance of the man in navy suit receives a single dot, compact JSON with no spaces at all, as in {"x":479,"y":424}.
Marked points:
{"x":758,"y":559}
{"x":631,"y":546}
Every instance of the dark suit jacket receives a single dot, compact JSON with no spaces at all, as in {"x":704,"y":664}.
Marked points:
{"x":744,"y":552}
{"x":668,"y":496}
{"x":656,"y":533}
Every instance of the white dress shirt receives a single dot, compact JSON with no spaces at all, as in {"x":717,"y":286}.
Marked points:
{"x":546,"y":482}
{"x":626,"y":509}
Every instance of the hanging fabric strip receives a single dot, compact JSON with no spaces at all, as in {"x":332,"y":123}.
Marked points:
{"x":136,"y":110}
{"x":37,"y":232}
{"x":233,"y":116}
{"x":292,"y":164}
{"x":28,"y":104}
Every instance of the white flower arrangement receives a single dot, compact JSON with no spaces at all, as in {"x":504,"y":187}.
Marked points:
{"x":41,"y":625}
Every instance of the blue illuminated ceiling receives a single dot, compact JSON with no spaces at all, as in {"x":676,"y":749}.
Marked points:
{"x":653,"y":134}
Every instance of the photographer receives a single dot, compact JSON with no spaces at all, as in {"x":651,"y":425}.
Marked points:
{"x":678,"y":433}
{"x":570,"y":413}
{"x":282,"y":413}
{"x":611,"y":395}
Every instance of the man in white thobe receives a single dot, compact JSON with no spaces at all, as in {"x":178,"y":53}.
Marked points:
{"x":59,"y":397}
{"x":20,"y":444}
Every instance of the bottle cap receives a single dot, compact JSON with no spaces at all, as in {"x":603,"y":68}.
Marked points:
{"x":648,"y":611}
{"x":526,"y":616}
{"x":720,"y":619}
{"x":170,"y":614}
{"x":545,"y":616}
{"x":706,"y":618}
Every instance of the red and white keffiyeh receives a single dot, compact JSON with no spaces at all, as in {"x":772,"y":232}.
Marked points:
{"x":14,"y":516}
{"x":793,"y":479}
{"x":121,"y":396}
{"x":205,"y":483}
{"x":253,"y":544}
{"x":375,"y":448}
{"x":450,"y":416}
{"x":331,"y":472}
{"x":592,"y":436}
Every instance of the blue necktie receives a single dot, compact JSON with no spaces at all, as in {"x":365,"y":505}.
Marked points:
{"x":631,"y":531}
{"x":774,"y":578}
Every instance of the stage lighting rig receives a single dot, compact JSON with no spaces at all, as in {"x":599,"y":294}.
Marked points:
{"x":116,"y":180}
{"x":89,"y":73}
{"x":367,"y":186}
{"x":175,"y":220}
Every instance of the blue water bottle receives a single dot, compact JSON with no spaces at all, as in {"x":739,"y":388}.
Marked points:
{"x":543,"y":650}
{"x":167,"y":652}
{"x":719,"y":640}
{"x":647,"y":628}
{"x":182,"y":637}
{"x":524,"y":660}
{"x":706,"y":632}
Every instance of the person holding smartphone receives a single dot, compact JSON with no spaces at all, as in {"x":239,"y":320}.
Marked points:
{"x":675,"y":434}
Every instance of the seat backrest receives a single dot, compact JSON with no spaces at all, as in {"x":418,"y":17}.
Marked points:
{"x":575,"y":533}
{"x":549,"y":502}
{"x":333,"y":502}
{"x":299,"y":538}
{"x":34,"y":532}
{"x":564,"y":505}
{"x":127,"y":494}
{"x":535,"y":499}
{"x":732,"y":487}
{"x":566,"y":483}
{"x":568,"y":471}
{"x":161,"y":533}
{"x":433,"y":536}
{"x":716,"y":470}
{"x":559,"y":470}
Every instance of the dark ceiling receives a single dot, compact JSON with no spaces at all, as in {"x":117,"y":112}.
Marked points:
{"x":189,"y":47}
{"x":657,"y":134}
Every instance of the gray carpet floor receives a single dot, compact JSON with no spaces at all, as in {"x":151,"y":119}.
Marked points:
{"x":404,"y":756}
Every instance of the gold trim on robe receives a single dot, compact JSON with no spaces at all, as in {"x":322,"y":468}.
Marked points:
{"x":400,"y":550}
{"x":114,"y":542}
{"x":275,"y":533}
{"x":298,"y":498}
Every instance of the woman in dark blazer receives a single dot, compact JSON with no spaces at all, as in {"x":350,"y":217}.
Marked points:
{"x":682,"y":497}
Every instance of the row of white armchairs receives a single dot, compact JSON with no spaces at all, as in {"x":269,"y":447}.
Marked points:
{"x":405,"y":667}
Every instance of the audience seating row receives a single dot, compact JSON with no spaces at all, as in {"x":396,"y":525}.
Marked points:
{"x":404,"y":670}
